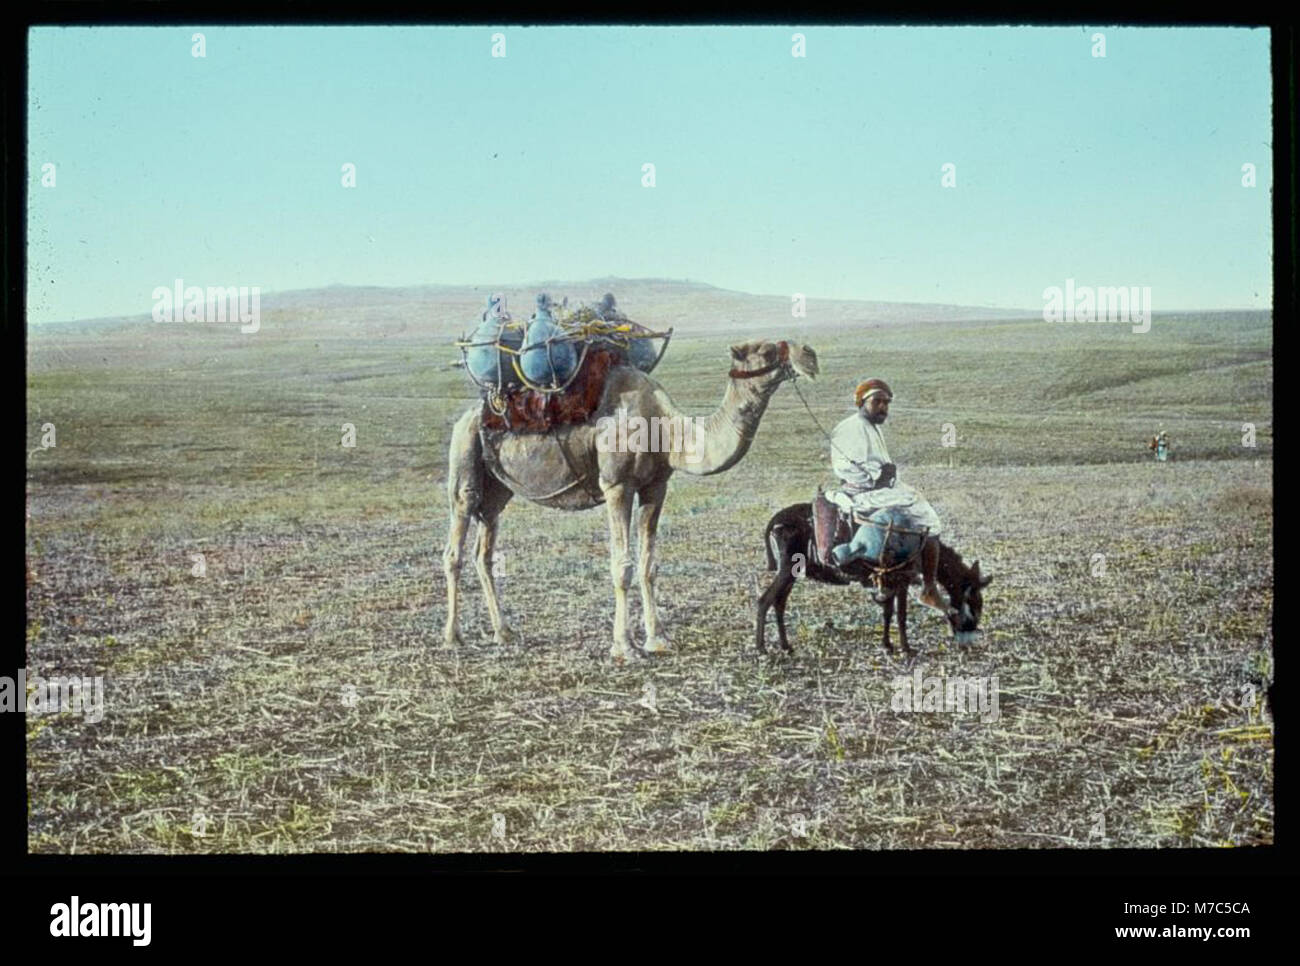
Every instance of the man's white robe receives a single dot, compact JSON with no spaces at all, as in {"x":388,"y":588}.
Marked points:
{"x":858,"y":454}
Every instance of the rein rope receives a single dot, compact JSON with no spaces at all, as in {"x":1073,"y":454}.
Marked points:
{"x":822,"y":430}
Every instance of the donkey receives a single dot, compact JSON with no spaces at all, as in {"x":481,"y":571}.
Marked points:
{"x":789,"y":538}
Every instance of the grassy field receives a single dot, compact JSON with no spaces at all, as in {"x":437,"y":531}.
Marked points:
{"x":1131,"y":686}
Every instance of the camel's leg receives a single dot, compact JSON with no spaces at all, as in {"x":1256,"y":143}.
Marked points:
{"x":451,"y":560}
{"x":652,"y":502}
{"x":618,"y":504}
{"x":495,"y":497}
{"x":464,"y":492}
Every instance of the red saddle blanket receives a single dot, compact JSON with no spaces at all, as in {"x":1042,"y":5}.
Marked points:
{"x":529,"y":411}
{"x":831,"y":527}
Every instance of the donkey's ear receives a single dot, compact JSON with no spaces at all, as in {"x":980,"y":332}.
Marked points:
{"x":986,"y":581}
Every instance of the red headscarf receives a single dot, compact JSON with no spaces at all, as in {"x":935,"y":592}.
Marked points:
{"x":870,"y":388}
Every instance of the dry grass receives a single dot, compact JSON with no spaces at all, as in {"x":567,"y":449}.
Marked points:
{"x":1131,"y":704}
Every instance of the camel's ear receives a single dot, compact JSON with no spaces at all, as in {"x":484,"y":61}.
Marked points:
{"x":805,"y":360}
{"x":741,"y":352}
{"x":985,"y":582}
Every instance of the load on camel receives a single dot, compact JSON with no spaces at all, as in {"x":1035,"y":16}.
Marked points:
{"x":555,"y":392}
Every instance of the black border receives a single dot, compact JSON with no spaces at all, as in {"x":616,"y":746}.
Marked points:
{"x":1025,"y":906}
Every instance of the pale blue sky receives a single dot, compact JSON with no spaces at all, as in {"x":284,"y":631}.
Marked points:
{"x":775,"y":174}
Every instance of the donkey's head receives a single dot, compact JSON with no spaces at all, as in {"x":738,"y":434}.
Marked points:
{"x":964,"y":585}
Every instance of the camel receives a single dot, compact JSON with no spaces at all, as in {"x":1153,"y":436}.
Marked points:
{"x":571,"y":469}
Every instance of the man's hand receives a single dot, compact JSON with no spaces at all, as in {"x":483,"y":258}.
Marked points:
{"x":888,"y":473}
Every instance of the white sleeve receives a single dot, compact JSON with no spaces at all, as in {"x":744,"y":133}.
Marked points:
{"x":849,"y":456}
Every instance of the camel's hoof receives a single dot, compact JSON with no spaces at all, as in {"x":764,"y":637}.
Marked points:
{"x":504,"y":635}
{"x":658,"y":645}
{"x":621,"y":652}
{"x":451,"y":639}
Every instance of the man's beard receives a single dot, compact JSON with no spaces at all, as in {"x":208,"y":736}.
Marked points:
{"x":877,"y":419}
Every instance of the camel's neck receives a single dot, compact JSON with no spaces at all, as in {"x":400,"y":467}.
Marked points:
{"x":723,"y":437}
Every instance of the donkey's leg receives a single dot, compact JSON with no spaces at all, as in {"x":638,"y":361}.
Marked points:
{"x":618,"y":505}
{"x":775,"y":557}
{"x":651,"y":499}
{"x":778,"y":590}
{"x":764,"y":604}
{"x":783,"y":592}
{"x":888,"y":605}
{"x":495,"y":497}
{"x":902,"y":617}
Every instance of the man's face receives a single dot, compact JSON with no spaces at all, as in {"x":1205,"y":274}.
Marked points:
{"x":876,"y":409}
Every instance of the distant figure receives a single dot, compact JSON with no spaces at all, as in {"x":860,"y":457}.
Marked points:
{"x":1160,"y":446}
{"x":544,"y":305}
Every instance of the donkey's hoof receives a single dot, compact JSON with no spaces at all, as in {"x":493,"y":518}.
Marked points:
{"x":504,"y":635}
{"x":658,"y":645}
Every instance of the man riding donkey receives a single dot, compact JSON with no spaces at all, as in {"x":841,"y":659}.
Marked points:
{"x":861,"y":460}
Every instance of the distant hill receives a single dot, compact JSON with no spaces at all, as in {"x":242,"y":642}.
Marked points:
{"x":660,"y":303}
{"x":686,"y":305}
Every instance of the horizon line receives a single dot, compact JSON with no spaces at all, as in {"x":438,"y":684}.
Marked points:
{"x":280,"y":293}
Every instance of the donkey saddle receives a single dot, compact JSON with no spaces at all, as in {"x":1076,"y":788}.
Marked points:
{"x":883,"y":539}
{"x":831,"y":527}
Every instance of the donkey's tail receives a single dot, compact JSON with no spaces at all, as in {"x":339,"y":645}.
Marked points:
{"x":767,"y":545}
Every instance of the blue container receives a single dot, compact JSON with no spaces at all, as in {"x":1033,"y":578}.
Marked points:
{"x":643,"y":353}
{"x":545,"y":359}
{"x":869,"y":541}
{"x":487,"y":363}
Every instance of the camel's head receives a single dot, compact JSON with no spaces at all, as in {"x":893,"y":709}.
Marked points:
{"x":772,"y":362}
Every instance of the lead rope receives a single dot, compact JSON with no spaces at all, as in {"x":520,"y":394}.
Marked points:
{"x":817,"y":423}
